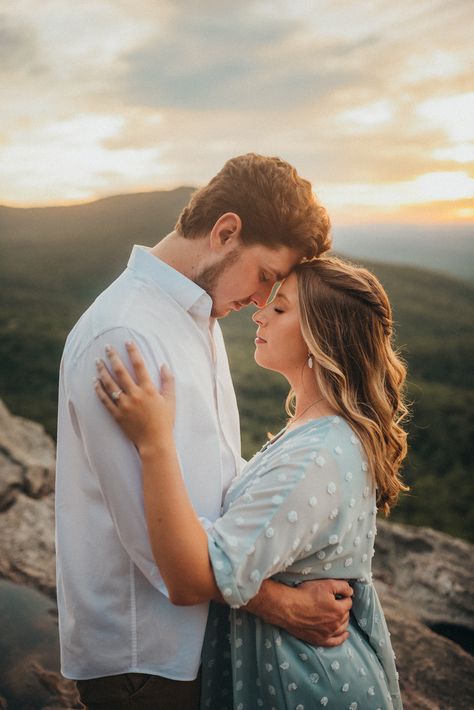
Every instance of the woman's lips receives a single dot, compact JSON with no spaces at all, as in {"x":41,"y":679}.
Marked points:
{"x":259,"y":340}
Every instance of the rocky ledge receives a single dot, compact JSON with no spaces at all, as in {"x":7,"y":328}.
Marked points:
{"x":27,"y":460}
{"x":27,"y":469}
{"x":424,"y":578}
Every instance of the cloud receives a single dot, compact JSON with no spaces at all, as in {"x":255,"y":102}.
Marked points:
{"x":363,"y":118}
{"x":252,"y":56}
{"x":344,"y":71}
{"x":433,"y":187}
{"x":133,"y":94}
{"x":454,"y":114}
{"x":73,"y":162}
{"x":213,"y":61}
{"x":140,"y":128}
{"x":19,"y":50}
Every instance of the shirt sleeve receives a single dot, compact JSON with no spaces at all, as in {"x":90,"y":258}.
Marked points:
{"x":112,"y":458}
{"x":288,"y":511}
{"x":243,"y":463}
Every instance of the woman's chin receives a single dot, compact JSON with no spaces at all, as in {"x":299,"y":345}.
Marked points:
{"x":262,"y":363}
{"x":258,"y":359}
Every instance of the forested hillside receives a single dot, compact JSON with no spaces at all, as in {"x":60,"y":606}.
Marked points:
{"x":53,"y":262}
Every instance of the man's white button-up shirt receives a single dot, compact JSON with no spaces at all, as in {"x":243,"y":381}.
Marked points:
{"x":114,"y":613}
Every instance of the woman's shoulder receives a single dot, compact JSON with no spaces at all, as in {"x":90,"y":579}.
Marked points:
{"x":329,"y":431}
{"x":331,"y":435}
{"x":328,"y":441}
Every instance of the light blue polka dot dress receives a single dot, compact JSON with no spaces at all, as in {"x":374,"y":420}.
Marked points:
{"x":303,"y":508}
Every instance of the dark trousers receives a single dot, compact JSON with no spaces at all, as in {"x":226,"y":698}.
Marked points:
{"x":139,"y":691}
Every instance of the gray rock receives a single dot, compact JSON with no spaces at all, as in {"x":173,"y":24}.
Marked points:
{"x":63,"y":692}
{"x":435,"y":673}
{"x":27,"y":458}
{"x":11,"y":480}
{"x":27,"y":543}
{"x":431,"y":572}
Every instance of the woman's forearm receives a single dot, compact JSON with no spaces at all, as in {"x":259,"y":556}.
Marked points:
{"x":178,"y":540}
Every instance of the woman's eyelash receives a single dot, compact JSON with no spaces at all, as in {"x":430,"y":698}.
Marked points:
{"x":277,"y":310}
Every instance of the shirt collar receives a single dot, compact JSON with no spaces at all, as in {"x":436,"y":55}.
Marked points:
{"x":186,"y":293}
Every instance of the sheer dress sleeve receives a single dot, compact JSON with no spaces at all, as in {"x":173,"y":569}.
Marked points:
{"x":288,"y":511}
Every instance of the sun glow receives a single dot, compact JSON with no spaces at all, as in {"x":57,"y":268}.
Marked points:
{"x":453,"y":114}
{"x":147,"y":95}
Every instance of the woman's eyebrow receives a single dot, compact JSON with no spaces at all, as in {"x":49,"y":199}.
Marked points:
{"x":281,"y":295}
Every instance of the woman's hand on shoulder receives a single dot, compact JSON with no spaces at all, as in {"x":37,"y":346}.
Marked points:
{"x":145,"y":414}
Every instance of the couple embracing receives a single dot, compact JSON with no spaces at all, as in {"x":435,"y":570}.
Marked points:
{"x":188,"y":578}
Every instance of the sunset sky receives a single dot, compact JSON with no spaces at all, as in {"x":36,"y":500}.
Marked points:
{"x":373,"y":100}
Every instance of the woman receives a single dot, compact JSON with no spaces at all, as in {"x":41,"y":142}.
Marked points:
{"x":304,"y":506}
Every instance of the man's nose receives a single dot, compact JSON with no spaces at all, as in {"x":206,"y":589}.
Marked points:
{"x":260,"y":297}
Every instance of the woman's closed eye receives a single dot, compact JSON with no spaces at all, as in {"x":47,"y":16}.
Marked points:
{"x":278,"y":310}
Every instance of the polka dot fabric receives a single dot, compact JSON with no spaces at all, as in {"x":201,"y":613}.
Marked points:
{"x":303,"y":508}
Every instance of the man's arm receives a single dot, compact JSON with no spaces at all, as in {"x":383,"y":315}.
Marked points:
{"x":310,"y":611}
{"x":113,"y":462}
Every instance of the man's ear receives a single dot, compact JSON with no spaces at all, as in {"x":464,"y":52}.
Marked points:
{"x":225,"y":234}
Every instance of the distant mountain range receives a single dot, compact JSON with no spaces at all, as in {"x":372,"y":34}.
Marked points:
{"x":148,"y":216}
{"x":445,"y":248}
{"x":54,"y":261}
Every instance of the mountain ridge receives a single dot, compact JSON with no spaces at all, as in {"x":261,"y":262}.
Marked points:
{"x":55,"y":269}
{"x":445,"y":248}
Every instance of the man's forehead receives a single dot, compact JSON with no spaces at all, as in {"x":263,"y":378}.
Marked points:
{"x":280,"y":263}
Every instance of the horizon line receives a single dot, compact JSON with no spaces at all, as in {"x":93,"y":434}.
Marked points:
{"x":339,"y":216}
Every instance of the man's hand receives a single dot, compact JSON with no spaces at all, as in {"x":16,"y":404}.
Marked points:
{"x":311,"y":611}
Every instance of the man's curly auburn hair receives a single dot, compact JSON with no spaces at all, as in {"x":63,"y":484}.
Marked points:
{"x":277,"y":207}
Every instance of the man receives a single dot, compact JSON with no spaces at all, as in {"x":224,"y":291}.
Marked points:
{"x":122,"y":640}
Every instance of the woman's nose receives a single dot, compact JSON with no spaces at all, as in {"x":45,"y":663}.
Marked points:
{"x":257,"y":317}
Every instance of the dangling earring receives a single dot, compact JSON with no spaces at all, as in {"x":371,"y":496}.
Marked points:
{"x":310,"y":361}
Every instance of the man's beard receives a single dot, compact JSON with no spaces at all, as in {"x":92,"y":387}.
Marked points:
{"x":208,"y":278}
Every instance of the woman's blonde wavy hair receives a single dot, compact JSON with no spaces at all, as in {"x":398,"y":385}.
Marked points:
{"x":346,"y":322}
